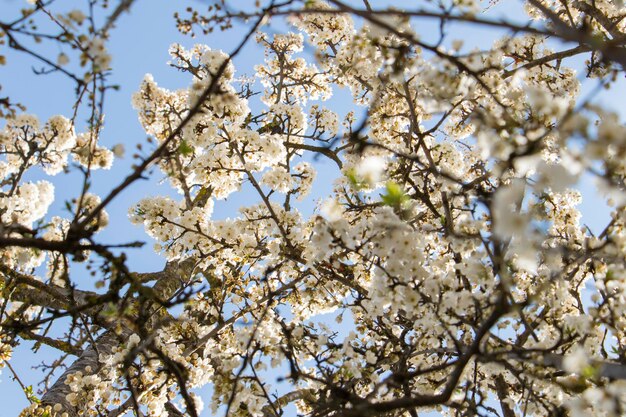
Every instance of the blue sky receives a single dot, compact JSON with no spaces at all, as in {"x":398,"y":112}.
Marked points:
{"x":139,"y":45}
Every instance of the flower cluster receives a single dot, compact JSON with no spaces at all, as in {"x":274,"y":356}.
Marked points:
{"x":451,"y":246}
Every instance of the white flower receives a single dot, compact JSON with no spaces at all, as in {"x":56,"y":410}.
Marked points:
{"x":118,"y":150}
{"x":278,"y":179}
{"x":507,"y":218}
{"x":98,"y":52}
{"x":332,"y":210}
{"x":370,"y":170}
{"x":379,"y":29}
{"x":576,"y":360}
{"x":62,"y":59}
{"x":544,"y":103}
{"x":77,"y":16}
{"x":555,"y":176}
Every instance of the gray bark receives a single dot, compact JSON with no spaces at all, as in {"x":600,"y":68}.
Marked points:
{"x":167,"y":283}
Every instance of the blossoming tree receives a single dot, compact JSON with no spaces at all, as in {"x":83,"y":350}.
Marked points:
{"x":451,"y":245}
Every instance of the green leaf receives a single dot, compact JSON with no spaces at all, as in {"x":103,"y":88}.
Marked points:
{"x":354,"y":181}
{"x":202,"y":197}
{"x":590,"y":372}
{"x":30,"y":394}
{"x":184,"y":149}
{"x":395,"y":196}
